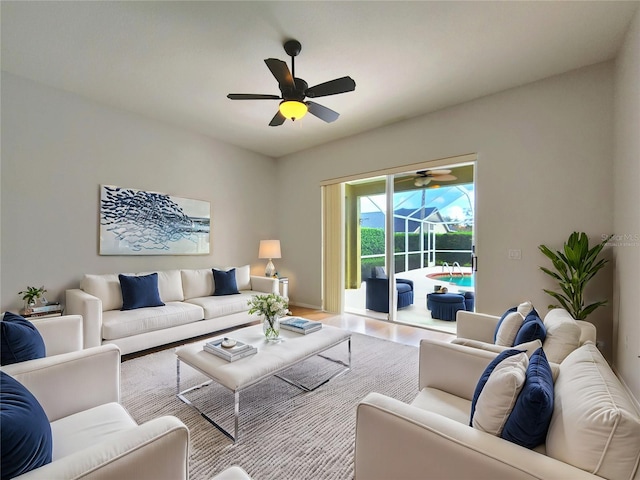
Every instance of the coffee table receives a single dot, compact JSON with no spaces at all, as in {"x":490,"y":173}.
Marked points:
{"x":272,"y":359}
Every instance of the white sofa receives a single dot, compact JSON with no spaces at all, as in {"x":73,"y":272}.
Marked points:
{"x":190,"y":309}
{"x":93,"y":435}
{"x":594,"y":430}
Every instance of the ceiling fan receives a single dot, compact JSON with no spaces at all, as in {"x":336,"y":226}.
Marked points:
{"x":424,"y":177}
{"x":294,"y":90}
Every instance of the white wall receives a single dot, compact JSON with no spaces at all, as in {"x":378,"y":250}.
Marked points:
{"x":544,"y":170}
{"x":626,"y":198}
{"x":57,"y":149}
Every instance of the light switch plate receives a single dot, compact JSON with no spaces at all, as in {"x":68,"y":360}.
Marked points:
{"x":515,"y":254}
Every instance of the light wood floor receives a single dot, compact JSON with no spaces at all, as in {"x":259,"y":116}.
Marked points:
{"x":376,"y":328}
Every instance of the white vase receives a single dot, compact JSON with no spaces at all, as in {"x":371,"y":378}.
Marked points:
{"x":271,"y":328}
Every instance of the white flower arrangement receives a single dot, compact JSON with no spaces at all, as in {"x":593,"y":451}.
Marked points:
{"x":269,"y":306}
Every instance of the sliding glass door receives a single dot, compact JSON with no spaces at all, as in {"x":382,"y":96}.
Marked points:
{"x":404,"y":232}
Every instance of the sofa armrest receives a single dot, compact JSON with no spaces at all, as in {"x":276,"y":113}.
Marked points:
{"x":476,"y":326}
{"x":397,"y":440}
{"x":80,"y":302}
{"x":60,"y":334}
{"x":265,"y":284}
{"x":454,"y":369}
{"x":155,"y":450}
{"x":71,"y":382}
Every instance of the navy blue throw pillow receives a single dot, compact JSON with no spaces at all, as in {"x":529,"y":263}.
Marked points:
{"x":485,"y":376}
{"x":529,"y":420}
{"x":532,"y":329}
{"x":25,"y":437}
{"x":19,"y":340}
{"x":225,"y":282}
{"x":504,"y":315}
{"x":139,"y":291}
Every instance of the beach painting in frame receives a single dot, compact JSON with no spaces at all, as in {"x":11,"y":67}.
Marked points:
{"x":137,"y":222}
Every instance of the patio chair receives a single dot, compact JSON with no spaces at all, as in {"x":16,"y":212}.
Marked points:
{"x":377,"y":287}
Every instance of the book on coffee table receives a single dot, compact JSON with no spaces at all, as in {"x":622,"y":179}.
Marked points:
{"x":300,"y":325}
{"x":231,"y":354}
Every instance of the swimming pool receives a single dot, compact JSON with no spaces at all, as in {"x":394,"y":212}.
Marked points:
{"x":456,"y":279}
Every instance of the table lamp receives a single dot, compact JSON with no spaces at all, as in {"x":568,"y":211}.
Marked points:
{"x":269,"y":249}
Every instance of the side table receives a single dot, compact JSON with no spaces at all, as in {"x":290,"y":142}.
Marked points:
{"x":284,"y":287}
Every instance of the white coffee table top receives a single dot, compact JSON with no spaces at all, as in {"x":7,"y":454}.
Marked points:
{"x":270,"y":359}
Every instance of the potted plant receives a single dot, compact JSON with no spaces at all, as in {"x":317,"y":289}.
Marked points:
{"x":31,"y":295}
{"x":574,"y":267}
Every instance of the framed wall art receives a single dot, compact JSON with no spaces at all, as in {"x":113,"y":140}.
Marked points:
{"x":137,"y":222}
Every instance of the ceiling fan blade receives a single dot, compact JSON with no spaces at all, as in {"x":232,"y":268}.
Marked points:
{"x":252,"y":96}
{"x":280,"y":70}
{"x":445,"y":178}
{"x":332,"y":87}
{"x":277,"y":120}
{"x":438,"y":172}
{"x":323,"y":113}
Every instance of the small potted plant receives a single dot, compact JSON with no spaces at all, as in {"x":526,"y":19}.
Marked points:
{"x":31,"y":295}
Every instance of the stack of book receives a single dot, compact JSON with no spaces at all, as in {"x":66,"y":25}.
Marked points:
{"x":48,"y":310}
{"x":300,"y":325}
{"x":230,"y":354}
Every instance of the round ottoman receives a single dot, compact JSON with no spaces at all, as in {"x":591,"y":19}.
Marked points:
{"x":444,"y":306}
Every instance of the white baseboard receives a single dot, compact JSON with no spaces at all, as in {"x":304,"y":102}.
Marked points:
{"x":305,"y":305}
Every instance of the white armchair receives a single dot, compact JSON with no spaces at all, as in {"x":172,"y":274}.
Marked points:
{"x":93,"y":435}
{"x":564,"y":334}
{"x":594,"y":431}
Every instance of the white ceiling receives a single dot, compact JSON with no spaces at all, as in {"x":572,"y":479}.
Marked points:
{"x":176,"y":61}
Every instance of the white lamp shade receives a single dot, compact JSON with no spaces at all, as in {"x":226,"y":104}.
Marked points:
{"x":269,"y":249}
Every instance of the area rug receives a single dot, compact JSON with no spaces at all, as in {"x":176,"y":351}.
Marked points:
{"x":284,"y":433}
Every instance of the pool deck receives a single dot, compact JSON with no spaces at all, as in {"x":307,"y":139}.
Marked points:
{"x":416,"y":314}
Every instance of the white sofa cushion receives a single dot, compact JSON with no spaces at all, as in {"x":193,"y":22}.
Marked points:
{"x":169,"y":285}
{"x":595,"y":426}
{"x":222,"y":305}
{"x":197,"y":283}
{"x":106,"y":287}
{"x":88,"y":427}
{"x":118,"y":324}
{"x":563,"y":335}
{"x":243,"y":277}
{"x":499,"y":395}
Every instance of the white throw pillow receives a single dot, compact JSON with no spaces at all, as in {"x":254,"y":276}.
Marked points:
{"x":500,"y":393}
{"x":525,"y":308}
{"x":563,"y":335}
{"x":508,"y":330}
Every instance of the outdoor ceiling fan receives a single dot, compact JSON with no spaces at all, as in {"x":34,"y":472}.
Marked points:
{"x":294,"y":90}
{"x":424,"y":177}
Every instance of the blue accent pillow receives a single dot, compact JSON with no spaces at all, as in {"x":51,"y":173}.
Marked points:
{"x":225,"y":282}
{"x":25,"y":438}
{"x":139,"y":291}
{"x":504,"y":315}
{"x":19,"y":340}
{"x":529,"y":420}
{"x":485,"y":376}
{"x":532,"y":329}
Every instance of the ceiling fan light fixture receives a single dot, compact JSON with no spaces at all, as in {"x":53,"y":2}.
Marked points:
{"x":292,"y":109}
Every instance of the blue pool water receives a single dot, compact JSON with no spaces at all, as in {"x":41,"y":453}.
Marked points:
{"x":459,"y":280}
